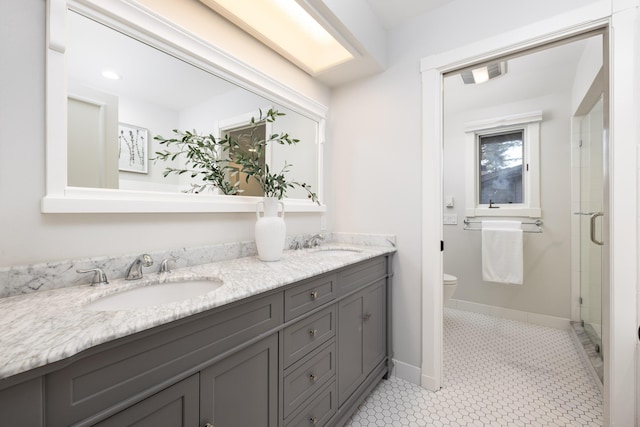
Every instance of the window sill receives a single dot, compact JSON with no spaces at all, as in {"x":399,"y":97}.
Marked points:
{"x":505,"y":211}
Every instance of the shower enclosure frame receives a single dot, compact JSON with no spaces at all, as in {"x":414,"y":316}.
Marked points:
{"x":589,"y":211}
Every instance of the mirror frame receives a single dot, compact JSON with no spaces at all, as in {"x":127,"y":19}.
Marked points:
{"x":150,"y":28}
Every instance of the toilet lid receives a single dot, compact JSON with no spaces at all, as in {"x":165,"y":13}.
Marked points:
{"x":449,"y":279}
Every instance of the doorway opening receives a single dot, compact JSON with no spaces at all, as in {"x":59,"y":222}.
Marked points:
{"x":555,"y":169}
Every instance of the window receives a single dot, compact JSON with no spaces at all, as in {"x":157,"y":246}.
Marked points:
{"x":501,"y":160}
{"x":244,"y":135}
{"x":503,"y":166}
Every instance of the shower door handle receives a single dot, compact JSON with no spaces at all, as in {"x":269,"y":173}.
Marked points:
{"x":594,"y":216}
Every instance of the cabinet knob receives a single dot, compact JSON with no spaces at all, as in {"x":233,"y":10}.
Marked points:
{"x":366,"y":317}
{"x":314,"y":295}
{"x":313,"y":332}
{"x":313,"y":377}
{"x":208,"y":425}
{"x":313,"y":420}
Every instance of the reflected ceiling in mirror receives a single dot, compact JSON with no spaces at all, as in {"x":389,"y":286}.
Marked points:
{"x":112,"y":122}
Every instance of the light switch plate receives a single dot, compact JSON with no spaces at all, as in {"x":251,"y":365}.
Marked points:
{"x":450,"y":219}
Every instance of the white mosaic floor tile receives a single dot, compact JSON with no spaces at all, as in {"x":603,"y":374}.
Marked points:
{"x":497,"y":372}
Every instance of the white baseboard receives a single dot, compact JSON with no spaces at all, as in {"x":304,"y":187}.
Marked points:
{"x":429,"y":383}
{"x":406,"y":372}
{"x":506,"y":313}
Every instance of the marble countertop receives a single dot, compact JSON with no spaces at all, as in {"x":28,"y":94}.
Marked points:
{"x":48,"y":326}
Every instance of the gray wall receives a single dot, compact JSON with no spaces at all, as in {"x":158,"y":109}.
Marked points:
{"x":547,"y":256}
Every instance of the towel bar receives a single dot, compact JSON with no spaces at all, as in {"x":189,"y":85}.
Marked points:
{"x":538,"y":223}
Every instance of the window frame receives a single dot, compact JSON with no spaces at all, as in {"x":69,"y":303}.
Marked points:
{"x":529,"y":123}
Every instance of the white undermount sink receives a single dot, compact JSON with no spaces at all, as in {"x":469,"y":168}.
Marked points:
{"x":155,"y":295}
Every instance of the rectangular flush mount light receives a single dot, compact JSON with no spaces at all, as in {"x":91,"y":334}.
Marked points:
{"x":484,"y":73}
{"x":286,"y":27}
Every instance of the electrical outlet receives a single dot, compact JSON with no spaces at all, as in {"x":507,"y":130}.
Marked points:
{"x":451,"y":219}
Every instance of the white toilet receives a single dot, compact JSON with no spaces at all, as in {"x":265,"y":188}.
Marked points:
{"x":450,"y":283}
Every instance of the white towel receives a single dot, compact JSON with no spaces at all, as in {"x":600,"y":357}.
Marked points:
{"x":502,"y":259}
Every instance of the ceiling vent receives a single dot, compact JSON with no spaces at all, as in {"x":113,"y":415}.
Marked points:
{"x":484,"y":73}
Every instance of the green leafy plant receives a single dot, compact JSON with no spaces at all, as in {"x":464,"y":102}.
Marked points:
{"x":217,"y":160}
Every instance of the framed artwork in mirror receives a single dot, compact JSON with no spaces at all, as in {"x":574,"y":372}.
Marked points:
{"x":133,"y":147}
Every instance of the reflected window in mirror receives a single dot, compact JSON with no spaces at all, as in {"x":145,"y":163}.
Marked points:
{"x":244,"y":136}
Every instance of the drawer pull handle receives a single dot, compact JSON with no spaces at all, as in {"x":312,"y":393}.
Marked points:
{"x":313,"y":420}
{"x":314,"y":295}
{"x":313,"y":377}
{"x":313,"y":332}
{"x":366,"y":317}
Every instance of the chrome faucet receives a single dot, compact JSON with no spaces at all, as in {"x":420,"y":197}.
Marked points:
{"x":295,"y":245}
{"x":134,"y":271}
{"x":314,"y":241}
{"x":164,"y":265}
{"x":99,"y":278}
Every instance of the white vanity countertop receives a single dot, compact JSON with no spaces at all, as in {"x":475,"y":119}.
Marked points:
{"x":48,"y":326}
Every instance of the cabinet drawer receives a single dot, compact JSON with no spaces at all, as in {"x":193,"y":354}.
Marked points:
{"x":308,"y":295}
{"x":112,"y":377}
{"x":176,"y":406}
{"x":309,"y":375}
{"x":361,"y":274}
{"x":307,"y":334}
{"x":319,"y":410}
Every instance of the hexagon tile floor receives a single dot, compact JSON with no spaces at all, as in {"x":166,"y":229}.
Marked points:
{"x":497,"y":372}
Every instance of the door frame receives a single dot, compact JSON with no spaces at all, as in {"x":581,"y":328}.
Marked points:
{"x":620,"y":18}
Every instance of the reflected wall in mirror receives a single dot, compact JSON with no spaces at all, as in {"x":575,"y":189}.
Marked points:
{"x":152,"y":90}
{"x":158,"y":84}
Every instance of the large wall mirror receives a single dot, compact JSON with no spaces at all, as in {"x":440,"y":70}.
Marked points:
{"x":100,"y":142}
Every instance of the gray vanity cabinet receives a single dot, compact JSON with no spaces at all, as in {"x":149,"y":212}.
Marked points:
{"x":361,"y":337}
{"x":303,"y":355}
{"x":175,"y":406}
{"x":116,"y":376}
{"x":242,"y":390}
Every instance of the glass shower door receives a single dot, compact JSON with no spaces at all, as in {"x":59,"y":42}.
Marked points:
{"x":591,"y":201}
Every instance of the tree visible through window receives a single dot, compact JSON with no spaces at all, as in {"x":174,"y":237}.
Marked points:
{"x":501,"y":167}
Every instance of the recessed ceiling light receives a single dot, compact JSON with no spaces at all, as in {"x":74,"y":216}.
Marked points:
{"x":111,"y":75}
{"x":288,"y":28}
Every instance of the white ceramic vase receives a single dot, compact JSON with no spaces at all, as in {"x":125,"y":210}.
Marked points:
{"x":271,"y":230}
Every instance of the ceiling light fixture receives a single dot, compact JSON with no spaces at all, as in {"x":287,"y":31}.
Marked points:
{"x":111,"y":75}
{"x":484,"y":73}
{"x":288,"y":28}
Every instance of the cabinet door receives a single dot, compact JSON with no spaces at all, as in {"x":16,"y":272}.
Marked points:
{"x":242,"y":390}
{"x":374,"y":321}
{"x":361,"y":337}
{"x":21,"y":405}
{"x":176,"y":406}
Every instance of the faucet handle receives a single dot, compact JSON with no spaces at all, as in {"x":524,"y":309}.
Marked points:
{"x":134,"y":271}
{"x":146,"y":260}
{"x":164,"y":265}
{"x":99,"y":277}
{"x":314,"y":241}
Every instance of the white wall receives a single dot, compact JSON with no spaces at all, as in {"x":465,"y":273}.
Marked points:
{"x":28,"y":236}
{"x":158,"y":121}
{"x":547,"y":256}
{"x":374,"y":148}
